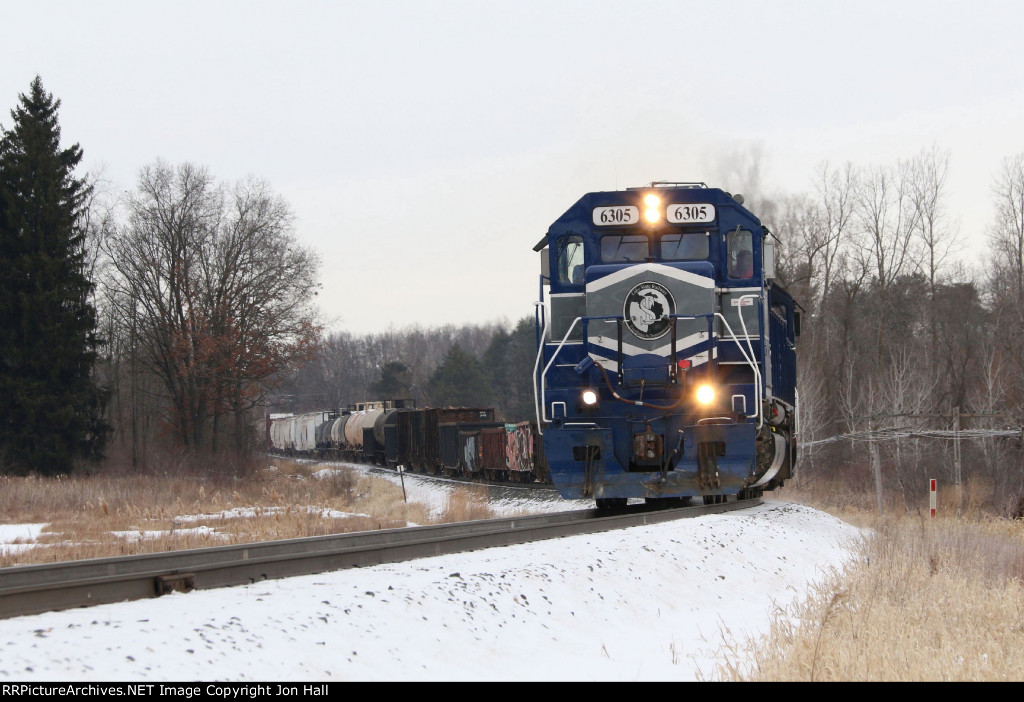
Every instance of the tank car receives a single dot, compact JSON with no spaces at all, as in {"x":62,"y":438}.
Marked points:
{"x":359,"y":429}
{"x":666,"y":361}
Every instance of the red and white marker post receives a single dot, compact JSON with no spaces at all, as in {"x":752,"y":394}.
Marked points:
{"x":931,"y":496}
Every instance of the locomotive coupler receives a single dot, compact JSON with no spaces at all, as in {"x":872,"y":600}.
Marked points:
{"x":648,"y":448}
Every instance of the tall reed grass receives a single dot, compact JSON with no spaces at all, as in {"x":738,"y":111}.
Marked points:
{"x":120,"y":514}
{"x":926,"y":599}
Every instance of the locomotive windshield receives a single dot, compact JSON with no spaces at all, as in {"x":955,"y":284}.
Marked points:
{"x":685,"y":247}
{"x":630,"y":248}
{"x":617,"y":248}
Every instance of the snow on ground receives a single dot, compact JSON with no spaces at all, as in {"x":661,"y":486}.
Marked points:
{"x":504,"y":501}
{"x":15,"y":538}
{"x":646,"y":603}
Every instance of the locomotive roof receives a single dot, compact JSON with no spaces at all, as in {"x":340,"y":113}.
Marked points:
{"x":730,"y":208}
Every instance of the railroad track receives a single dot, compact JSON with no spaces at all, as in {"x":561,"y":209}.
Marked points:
{"x":35,"y":589}
{"x":439,"y":477}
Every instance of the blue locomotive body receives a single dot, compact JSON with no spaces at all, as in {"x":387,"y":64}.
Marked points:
{"x":666,"y":361}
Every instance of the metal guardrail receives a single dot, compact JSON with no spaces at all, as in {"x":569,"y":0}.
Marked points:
{"x":34,"y":589}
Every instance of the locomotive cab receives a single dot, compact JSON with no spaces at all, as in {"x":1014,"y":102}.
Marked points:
{"x":666,"y":361}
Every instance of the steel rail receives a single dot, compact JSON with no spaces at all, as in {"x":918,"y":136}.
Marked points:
{"x":36,"y":589}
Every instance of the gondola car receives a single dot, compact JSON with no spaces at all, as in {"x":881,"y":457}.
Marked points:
{"x":666,"y":361}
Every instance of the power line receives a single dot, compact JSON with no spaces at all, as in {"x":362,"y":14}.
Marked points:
{"x":890,"y":433}
{"x":907,"y":432}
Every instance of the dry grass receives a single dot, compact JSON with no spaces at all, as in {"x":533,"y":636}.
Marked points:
{"x":466,"y":504}
{"x":926,"y":600}
{"x":113,"y":515}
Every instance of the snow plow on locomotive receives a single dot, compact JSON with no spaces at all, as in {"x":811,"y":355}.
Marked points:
{"x":666,"y":362}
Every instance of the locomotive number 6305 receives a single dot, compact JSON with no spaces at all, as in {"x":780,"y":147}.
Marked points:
{"x":692,"y":213}
{"x":625,"y":214}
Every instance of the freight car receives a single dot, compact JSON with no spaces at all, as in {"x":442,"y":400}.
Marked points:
{"x":666,"y":360}
{"x":296,"y":434}
{"x":459,"y":442}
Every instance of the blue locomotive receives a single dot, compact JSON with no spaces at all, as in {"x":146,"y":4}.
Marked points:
{"x":666,"y":364}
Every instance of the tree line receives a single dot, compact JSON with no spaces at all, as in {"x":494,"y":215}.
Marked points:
{"x":156,"y":326}
{"x":143,"y":327}
{"x":911,"y":362}
{"x":488,"y":365}
{"x":162,"y":322}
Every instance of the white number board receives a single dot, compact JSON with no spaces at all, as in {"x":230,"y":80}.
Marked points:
{"x":692,"y":213}
{"x":623,"y":214}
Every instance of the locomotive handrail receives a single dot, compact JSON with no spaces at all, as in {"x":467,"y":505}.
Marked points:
{"x":540,"y":351}
{"x":711,"y":334}
{"x":542,"y":324}
{"x":796,"y":431}
{"x":538,"y":405}
{"x":743,"y":322}
{"x":536,"y":364}
{"x":673,"y":184}
{"x":674,"y":317}
{"x":746,"y":335}
{"x":541,"y":410}
{"x":753,"y":366}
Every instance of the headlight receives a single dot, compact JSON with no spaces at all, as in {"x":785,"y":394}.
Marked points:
{"x":589,"y":397}
{"x":705,"y":394}
{"x":653,"y":212}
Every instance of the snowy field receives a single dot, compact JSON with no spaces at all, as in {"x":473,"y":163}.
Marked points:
{"x":646,"y":604}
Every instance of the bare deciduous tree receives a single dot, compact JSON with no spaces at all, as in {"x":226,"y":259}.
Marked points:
{"x":929,"y":173}
{"x":1007,"y":235}
{"x":218,"y":293}
{"x":836,"y":190}
{"x":1006,"y":273}
{"x":888,"y":221}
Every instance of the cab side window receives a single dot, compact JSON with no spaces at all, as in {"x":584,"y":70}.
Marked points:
{"x":740,"y":251}
{"x":570,"y":260}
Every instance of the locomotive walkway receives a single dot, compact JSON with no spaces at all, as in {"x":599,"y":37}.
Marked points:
{"x":35,"y":589}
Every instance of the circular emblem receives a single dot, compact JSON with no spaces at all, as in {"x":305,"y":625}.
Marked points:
{"x":647,"y":310}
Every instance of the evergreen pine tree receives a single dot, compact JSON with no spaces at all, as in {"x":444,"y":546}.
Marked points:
{"x":459,"y":382}
{"x":52,"y":411}
{"x":522,"y":355}
{"x":395,"y":382}
{"x":508,"y":363}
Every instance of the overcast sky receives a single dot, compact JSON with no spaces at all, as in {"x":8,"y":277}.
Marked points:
{"x":425,"y":146}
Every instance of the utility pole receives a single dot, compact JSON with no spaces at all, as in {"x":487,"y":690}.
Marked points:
{"x":956,"y":460}
{"x":876,"y":466}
